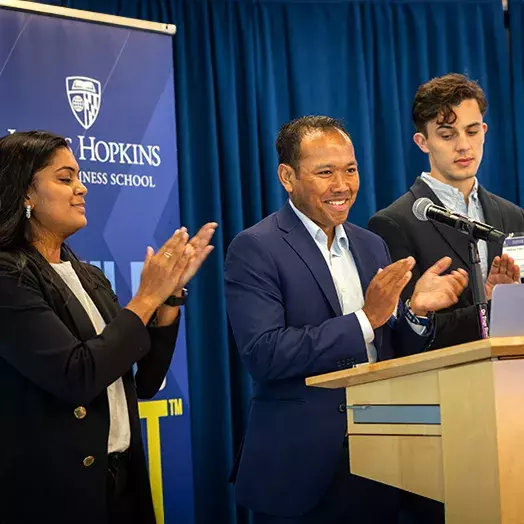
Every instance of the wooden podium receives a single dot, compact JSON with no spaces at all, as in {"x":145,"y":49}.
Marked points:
{"x":446,"y":424}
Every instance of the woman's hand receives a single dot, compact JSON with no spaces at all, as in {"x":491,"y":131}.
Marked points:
{"x":161,"y":274}
{"x":166,"y":272}
{"x":200,"y":244}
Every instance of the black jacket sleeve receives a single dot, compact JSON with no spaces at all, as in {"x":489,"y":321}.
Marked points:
{"x":39,"y":345}
{"x":153,"y":367}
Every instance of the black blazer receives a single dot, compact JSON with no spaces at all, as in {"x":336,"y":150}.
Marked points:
{"x":52,"y":362}
{"x":427,"y":242}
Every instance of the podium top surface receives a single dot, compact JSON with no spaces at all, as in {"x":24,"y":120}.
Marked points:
{"x":497,"y":347}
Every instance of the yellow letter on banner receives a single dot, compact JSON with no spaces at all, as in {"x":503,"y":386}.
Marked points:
{"x":152,"y":411}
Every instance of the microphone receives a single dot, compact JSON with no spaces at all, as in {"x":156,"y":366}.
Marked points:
{"x":425,"y":209}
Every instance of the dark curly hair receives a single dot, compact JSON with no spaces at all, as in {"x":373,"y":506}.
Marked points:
{"x":438,"y":97}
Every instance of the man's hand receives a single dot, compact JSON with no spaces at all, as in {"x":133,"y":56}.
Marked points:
{"x":434,"y":291}
{"x":384,"y":291}
{"x":503,"y":271}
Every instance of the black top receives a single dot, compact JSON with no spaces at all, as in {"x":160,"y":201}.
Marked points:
{"x":52,"y":362}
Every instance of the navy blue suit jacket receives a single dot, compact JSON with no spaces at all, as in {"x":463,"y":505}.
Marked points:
{"x":288,"y":325}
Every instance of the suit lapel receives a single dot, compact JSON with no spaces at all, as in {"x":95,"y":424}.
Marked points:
{"x":298,"y":237}
{"x":80,"y":323}
{"x":367,"y":267}
{"x":493,"y":217}
{"x":364,"y":259}
{"x":105,"y":303}
{"x":456,"y":241}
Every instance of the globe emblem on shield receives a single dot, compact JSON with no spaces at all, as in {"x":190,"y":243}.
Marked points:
{"x":84,"y":95}
{"x":78,"y":103}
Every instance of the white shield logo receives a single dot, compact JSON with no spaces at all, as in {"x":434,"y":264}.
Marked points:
{"x":84,"y":95}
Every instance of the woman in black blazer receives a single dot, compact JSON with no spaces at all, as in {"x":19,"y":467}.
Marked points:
{"x":70,"y":437}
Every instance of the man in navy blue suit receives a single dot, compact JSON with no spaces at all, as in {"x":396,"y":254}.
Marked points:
{"x":309,"y":293}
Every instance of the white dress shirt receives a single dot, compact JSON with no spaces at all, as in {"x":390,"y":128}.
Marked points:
{"x":345,"y":276}
{"x":343,"y":269}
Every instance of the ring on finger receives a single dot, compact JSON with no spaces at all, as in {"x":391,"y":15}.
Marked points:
{"x":167,"y":254}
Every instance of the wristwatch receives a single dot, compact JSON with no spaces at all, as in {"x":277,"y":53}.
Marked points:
{"x":418,"y":321}
{"x":174,"y":301}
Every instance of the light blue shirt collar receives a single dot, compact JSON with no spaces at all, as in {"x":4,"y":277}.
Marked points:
{"x":447,"y":194}
{"x":340,"y":241}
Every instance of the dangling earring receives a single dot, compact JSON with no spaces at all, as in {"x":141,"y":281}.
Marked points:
{"x":28,"y":212}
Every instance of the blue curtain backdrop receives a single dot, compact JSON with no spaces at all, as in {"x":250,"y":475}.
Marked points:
{"x":245,"y":67}
{"x":516,"y":31}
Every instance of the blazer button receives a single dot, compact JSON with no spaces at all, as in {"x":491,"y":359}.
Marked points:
{"x":88,"y":461}
{"x":80,"y":412}
{"x":342,"y":407}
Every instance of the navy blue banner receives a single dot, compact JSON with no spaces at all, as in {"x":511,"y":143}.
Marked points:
{"x":110,"y":91}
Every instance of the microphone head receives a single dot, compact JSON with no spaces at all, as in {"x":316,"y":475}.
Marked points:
{"x":420,"y":207}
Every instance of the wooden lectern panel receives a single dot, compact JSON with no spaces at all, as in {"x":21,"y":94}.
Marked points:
{"x":409,"y":463}
{"x":446,"y":424}
{"x":482,"y":410}
{"x":420,"y":388}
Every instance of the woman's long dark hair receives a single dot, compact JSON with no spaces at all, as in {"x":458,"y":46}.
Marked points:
{"x":22,"y":155}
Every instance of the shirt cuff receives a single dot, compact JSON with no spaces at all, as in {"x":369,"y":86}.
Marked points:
{"x":417,"y":328}
{"x":365,"y":326}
